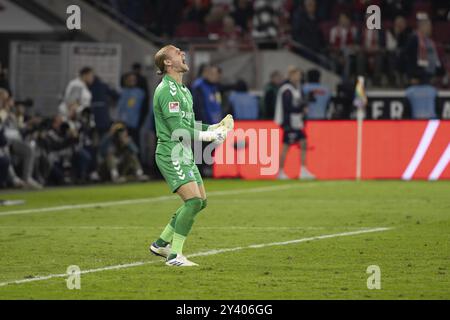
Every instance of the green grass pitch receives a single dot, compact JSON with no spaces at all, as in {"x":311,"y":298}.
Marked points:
{"x":413,"y":254}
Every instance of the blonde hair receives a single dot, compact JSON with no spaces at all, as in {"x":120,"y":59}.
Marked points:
{"x":160,"y":57}
{"x":292,"y":70}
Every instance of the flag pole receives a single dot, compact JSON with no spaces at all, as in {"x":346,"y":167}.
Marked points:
{"x":360,"y":103}
{"x":359,"y":139}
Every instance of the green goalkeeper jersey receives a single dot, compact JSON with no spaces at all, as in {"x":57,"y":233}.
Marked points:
{"x":174,"y":117}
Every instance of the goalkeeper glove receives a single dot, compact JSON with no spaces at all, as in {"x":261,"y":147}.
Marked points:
{"x":217,"y":135}
{"x":227,"y":122}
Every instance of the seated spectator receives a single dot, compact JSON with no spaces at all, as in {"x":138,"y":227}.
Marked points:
{"x":59,"y":142}
{"x":119,"y":156}
{"x":85,"y":152}
{"x":197,"y":11}
{"x":77,"y":94}
{"x":343,"y":42}
{"x":420,"y":52}
{"x":131,"y":103}
{"x":244,"y":105}
{"x":306,"y":29}
{"x":270,"y":95}
{"x":243,"y":14}
{"x":231,"y":35}
{"x":422,"y":99}
{"x":216,"y":15}
{"x":319,"y":94}
{"x":265,"y":23}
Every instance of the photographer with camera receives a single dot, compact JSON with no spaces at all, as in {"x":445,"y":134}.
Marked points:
{"x":118,"y":156}
{"x":21,"y":152}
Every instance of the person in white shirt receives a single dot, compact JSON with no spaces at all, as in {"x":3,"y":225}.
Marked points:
{"x":77,"y":96}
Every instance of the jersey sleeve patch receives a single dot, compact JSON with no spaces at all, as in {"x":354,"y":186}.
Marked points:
{"x":174,"y":107}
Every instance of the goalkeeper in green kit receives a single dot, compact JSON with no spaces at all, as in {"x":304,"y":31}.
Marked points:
{"x":176,"y":128}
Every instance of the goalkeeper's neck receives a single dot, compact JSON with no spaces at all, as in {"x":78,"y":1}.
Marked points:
{"x":177,"y":76}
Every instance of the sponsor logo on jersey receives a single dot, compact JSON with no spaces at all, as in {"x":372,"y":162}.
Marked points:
{"x":174,"y":107}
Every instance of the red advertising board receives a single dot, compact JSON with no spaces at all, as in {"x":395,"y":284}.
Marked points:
{"x":390,"y":150}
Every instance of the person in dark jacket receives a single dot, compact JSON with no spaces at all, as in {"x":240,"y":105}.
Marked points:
{"x":420,"y":54}
{"x":102,"y":97}
{"x":306,"y":29}
{"x":207,"y":97}
{"x":270,"y":95}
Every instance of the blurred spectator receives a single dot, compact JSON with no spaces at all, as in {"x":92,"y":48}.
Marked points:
{"x":230,"y":36}
{"x":265,"y":23}
{"x":131,"y":103}
{"x":342,"y":106}
{"x":393,"y":8}
{"x":290,"y":115}
{"x":270,"y":95}
{"x":396,"y":40}
{"x":58,"y":143}
{"x":305,"y":27}
{"x":168,"y":17}
{"x":207,"y":97}
{"x":4,"y":83}
{"x":102,"y":97}
{"x":85,"y":152}
{"x":22,"y":151}
{"x":244,"y":105}
{"x":197,"y":11}
{"x":343,"y":41}
{"x":441,"y":10}
{"x":216,"y":14}
{"x":242,"y":14}
{"x":5,"y":161}
{"x":371,"y":58}
{"x":422,"y":99}
{"x":142,"y":83}
{"x":119,"y":156}
{"x":77,"y":95}
{"x":319,"y":96}
{"x":421,"y":54}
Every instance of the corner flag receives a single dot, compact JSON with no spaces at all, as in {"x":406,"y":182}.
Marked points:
{"x":360,"y":102}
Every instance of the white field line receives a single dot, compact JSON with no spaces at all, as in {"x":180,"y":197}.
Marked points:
{"x":158,"y":199}
{"x":200,"y":254}
{"x":96,"y":228}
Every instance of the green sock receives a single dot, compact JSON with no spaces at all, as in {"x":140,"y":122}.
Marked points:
{"x":184,"y":222}
{"x":166,"y":236}
{"x":178,"y":243}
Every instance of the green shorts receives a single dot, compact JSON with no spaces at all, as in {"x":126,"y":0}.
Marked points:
{"x":178,"y":174}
